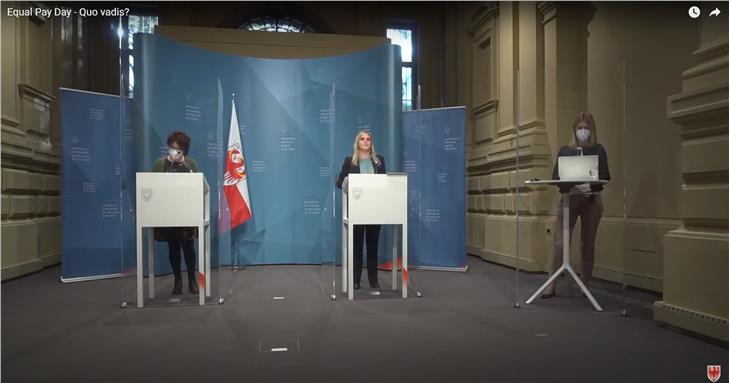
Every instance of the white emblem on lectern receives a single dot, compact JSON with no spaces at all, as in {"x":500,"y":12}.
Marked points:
{"x":146,"y":194}
{"x":356,"y":192}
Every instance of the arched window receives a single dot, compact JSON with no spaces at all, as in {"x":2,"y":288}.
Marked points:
{"x":134,"y":23}
{"x":276,"y":24}
{"x":405,"y":35}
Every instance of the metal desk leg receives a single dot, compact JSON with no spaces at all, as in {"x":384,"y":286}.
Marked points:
{"x":585,"y":290}
{"x":565,"y":201}
{"x":350,"y":277}
{"x":394,"y":272}
{"x":140,"y":269}
{"x":404,"y":256}
{"x":566,"y":259}
{"x":151,"y":261}
{"x":344,"y":230}
{"x":201,"y":267}
{"x":546,"y":284}
{"x":566,"y":252}
{"x":207,"y":262}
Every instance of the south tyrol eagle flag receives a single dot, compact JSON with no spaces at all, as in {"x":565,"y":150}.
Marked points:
{"x":235,"y":183}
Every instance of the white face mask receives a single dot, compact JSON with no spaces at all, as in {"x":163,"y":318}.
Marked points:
{"x":582,"y":134}
{"x":175,"y":154}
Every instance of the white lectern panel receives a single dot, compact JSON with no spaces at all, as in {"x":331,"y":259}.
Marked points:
{"x":171,"y":199}
{"x":377,"y":199}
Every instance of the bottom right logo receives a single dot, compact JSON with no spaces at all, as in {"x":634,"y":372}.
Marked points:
{"x":713,"y":373}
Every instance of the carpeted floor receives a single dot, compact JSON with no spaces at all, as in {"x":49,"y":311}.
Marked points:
{"x":463,"y":329}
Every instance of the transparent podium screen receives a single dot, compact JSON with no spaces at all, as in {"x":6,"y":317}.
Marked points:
{"x":176,"y":224}
{"x":266,"y":138}
{"x":576,"y":232}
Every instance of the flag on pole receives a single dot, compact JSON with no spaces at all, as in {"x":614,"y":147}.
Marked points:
{"x":235,"y":184}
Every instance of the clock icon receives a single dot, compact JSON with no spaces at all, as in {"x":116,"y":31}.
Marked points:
{"x":694,"y":12}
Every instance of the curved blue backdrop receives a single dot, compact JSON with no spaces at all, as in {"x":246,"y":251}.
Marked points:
{"x":298,"y":119}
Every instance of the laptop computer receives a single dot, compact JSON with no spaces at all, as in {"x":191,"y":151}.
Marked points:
{"x":578,"y":168}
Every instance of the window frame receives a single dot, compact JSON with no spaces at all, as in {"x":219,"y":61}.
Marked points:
{"x":415,"y":80}
{"x":291,"y":21}
{"x":125,"y":52}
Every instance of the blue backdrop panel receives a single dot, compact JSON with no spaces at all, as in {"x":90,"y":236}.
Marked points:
{"x":434,"y":159}
{"x":91,"y":184}
{"x":291,"y":148}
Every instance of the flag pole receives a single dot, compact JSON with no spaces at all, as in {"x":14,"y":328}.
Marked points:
{"x":234,"y":241}
{"x":235,"y":184}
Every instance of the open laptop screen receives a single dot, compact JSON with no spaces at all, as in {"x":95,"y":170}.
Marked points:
{"x":578,"y":168}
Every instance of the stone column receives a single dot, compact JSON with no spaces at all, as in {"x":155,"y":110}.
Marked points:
{"x":696,"y":254}
{"x":31,"y":203}
{"x":527,"y":97}
{"x":565,"y":62}
{"x":550,"y":54}
{"x":482,"y":118}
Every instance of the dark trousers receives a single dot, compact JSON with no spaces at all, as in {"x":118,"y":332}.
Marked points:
{"x":174,"y":245}
{"x":590,"y":210}
{"x":370,"y":234}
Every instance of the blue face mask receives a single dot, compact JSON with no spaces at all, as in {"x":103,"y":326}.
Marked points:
{"x":582,"y":134}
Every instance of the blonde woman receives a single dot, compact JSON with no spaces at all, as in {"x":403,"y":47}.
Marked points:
{"x":364,"y":160}
{"x":585,"y":199}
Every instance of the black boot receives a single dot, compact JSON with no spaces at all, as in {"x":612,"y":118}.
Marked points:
{"x":193,"y":285}
{"x":177,"y":287}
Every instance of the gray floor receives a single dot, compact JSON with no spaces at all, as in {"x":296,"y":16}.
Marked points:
{"x":464,"y":329}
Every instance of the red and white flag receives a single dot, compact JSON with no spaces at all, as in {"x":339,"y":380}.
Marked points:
{"x":235,"y":184}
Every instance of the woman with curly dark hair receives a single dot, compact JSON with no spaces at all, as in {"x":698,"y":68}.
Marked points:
{"x":177,"y":161}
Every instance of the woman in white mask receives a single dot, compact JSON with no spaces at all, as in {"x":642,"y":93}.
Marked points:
{"x":585,"y":199}
{"x":176,"y":160}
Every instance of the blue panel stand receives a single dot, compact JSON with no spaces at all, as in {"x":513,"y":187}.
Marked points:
{"x":91,"y":184}
{"x":434,"y":159}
